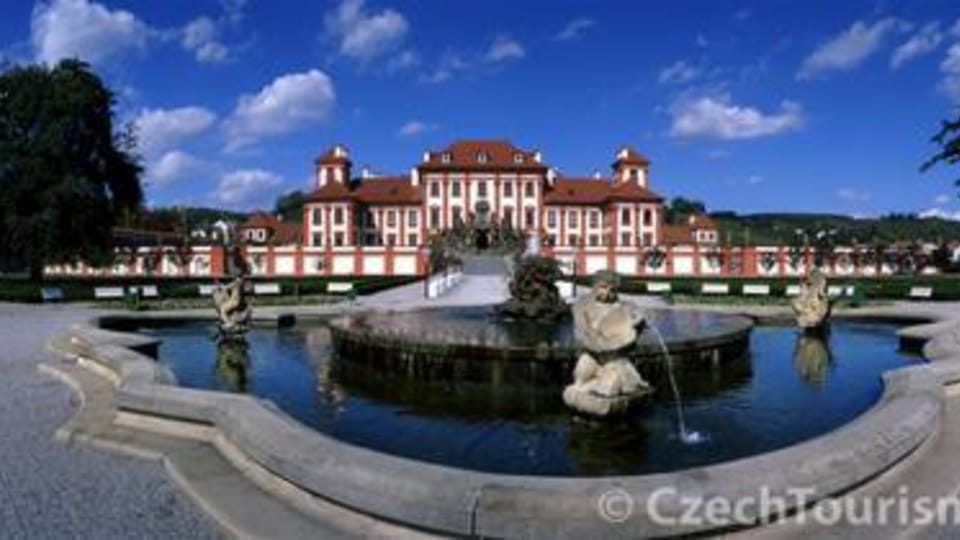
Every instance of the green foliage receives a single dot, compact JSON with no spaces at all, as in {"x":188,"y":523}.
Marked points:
{"x":948,"y":139}
{"x":681,"y":207}
{"x":65,"y":174}
{"x":290,"y":206}
{"x":781,"y":228}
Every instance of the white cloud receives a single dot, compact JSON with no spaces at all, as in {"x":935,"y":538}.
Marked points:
{"x":926,"y":40}
{"x":414,"y":128}
{"x":450,"y":64}
{"x":940,"y":213}
{"x":943,"y":198}
{"x":285,"y":105}
{"x":678,"y":73}
{"x":852,"y":195}
{"x":246,"y":187}
{"x":200,"y":36}
{"x":851,"y":47}
{"x":364,"y":36}
{"x":716,"y":117}
{"x":950,"y":67}
{"x":574,"y":29}
{"x":160,"y":129}
{"x":504,"y":48}
{"x":175,"y":165}
{"x":755,"y":179}
{"x":404,"y":60}
{"x":88,"y":30}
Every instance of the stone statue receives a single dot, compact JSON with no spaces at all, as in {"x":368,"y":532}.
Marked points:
{"x":533,"y":290}
{"x":812,"y":306}
{"x":233,"y":311}
{"x":606,"y":328}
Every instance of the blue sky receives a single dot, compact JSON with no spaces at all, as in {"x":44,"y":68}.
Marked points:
{"x":753,"y":106}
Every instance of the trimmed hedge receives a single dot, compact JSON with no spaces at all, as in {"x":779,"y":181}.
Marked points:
{"x":945,"y":287}
{"x":81,"y":289}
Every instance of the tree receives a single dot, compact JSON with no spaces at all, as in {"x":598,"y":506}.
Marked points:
{"x":948,"y":139}
{"x":65,"y":174}
{"x":290,"y":206}
{"x":681,"y":207}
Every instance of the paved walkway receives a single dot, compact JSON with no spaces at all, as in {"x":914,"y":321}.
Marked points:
{"x":48,"y":490}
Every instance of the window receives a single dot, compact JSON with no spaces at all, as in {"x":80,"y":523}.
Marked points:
{"x":518,"y":158}
{"x":594,"y":240}
{"x":530,"y":217}
{"x":572,"y":240}
{"x":551,"y":218}
{"x":371,"y":239}
{"x":338,"y":216}
{"x":594,"y":219}
{"x":508,"y":215}
{"x":455,"y":189}
{"x":634,"y":175}
{"x":435,"y":217}
{"x":508,"y":189}
{"x":625,"y":217}
{"x":481,"y":189}
{"x":551,"y":240}
{"x":647,"y":217}
{"x":391,"y":240}
{"x":368,"y":219}
{"x":482,"y":157}
{"x":572,"y":218}
{"x":446,"y":157}
{"x":456,"y":212}
{"x":528,"y":189}
{"x":625,"y":239}
{"x":434,"y":189}
{"x":391,"y":218}
{"x":338,"y":239}
{"x":647,"y":239}
{"x":411,"y":240}
{"x":412,"y":218}
{"x":317,"y":216}
{"x":318,"y":239}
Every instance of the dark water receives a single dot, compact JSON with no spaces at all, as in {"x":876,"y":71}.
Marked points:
{"x":788,"y":389}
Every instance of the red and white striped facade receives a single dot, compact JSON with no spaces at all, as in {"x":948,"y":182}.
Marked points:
{"x":515,"y":185}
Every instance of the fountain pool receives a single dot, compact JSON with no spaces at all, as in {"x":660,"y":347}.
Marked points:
{"x":783,"y":388}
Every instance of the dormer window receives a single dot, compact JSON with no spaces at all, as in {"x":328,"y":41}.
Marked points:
{"x":446,"y":157}
{"x":482,"y":157}
{"x":518,"y":158}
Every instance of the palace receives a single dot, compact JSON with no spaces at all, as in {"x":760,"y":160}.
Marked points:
{"x":491,"y":181}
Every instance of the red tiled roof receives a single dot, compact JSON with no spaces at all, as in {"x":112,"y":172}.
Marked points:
{"x":332,"y":191}
{"x":701,"y":221}
{"x":281,"y":232}
{"x":631,"y":191}
{"x":387,"y":190}
{"x":373,"y":191}
{"x":260,"y":220}
{"x":592,"y":191}
{"x":330,"y":157}
{"x":676,"y":234}
{"x":500,"y":154}
{"x":632,"y":157}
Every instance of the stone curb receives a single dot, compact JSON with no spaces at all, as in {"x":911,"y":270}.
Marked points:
{"x":460,"y":502}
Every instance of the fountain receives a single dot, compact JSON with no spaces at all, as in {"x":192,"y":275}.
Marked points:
{"x":233,"y":311}
{"x":604,"y":380}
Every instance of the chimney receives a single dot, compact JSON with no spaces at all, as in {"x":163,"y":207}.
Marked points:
{"x":537,"y":156}
{"x":365,"y":172}
{"x":426,"y":157}
{"x":597,"y":175}
{"x":414,"y":176}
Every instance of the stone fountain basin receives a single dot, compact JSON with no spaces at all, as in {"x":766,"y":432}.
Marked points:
{"x":474,"y":344}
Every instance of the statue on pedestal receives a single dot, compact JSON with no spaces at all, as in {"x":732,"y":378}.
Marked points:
{"x":233,"y":311}
{"x":812,"y":306}
{"x":605,"y":381}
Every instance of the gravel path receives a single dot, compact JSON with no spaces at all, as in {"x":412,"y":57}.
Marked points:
{"x":48,"y":490}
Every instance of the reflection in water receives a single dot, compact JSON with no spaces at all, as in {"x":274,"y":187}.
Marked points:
{"x":750,"y":404}
{"x":812,"y":358}
{"x":233,"y":359}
